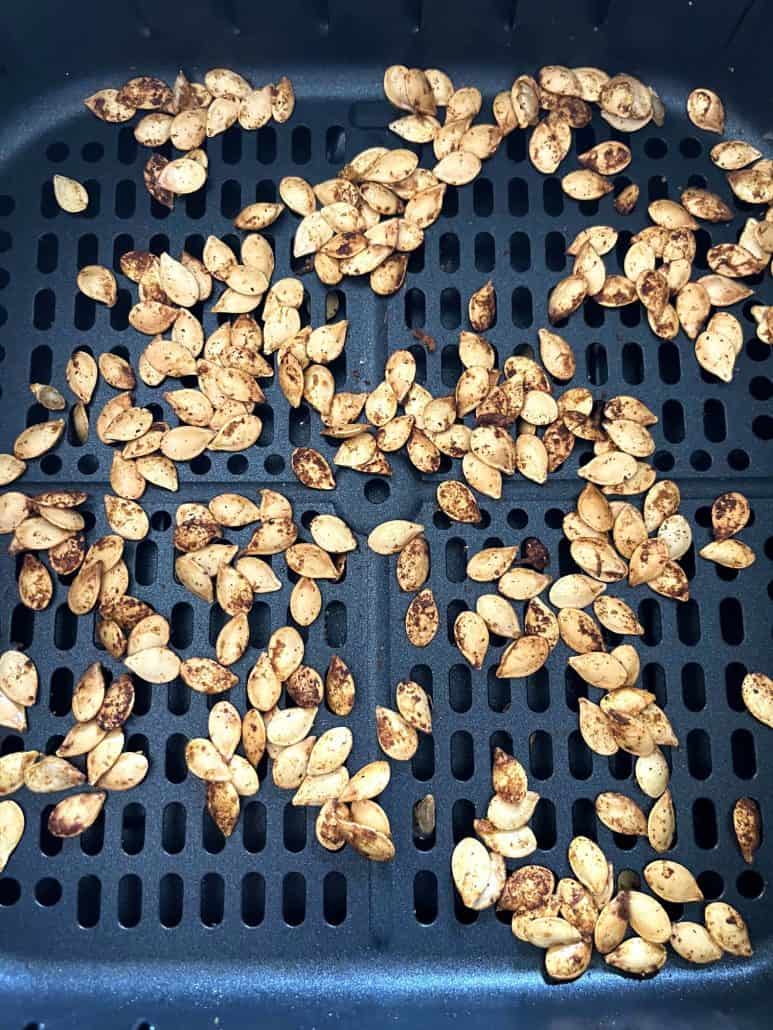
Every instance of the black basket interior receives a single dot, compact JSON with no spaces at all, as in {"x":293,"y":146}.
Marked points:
{"x":150,"y":918}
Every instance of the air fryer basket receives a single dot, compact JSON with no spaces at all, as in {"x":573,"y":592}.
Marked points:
{"x":150,"y":918}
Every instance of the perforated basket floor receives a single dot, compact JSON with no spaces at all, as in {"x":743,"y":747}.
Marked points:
{"x":150,"y":919}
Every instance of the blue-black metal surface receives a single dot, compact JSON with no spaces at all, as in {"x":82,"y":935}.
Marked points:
{"x":149,"y":919}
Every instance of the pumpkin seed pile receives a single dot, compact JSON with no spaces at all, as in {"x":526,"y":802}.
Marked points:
{"x":592,"y":908}
{"x":96,"y":737}
{"x":185,"y":114}
{"x":520,"y":420}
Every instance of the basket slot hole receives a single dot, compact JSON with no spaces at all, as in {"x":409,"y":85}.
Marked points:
{"x":744,"y":754}
{"x":516,"y":146}
{"x":704,"y":821}
{"x":575,"y":688}
{"x":669,"y":365}
{"x":176,"y":769}
{"x":217,"y":619}
{"x":230,"y":198}
{"x":584,"y":818}
{"x":750,"y":884}
{"x":48,"y":892}
{"x":133,"y":829}
{"x":266,"y":146}
{"x":181,"y":633}
{"x":482,"y":197}
{"x":65,"y":628}
{"x":425,"y":901}
{"x":170,"y":900}
{"x":173,"y":828}
{"x":423,"y":762}
{"x":649,"y":616}
{"x":335,"y":144}
{"x":657,"y":187}
{"x":294,"y":828}
{"x":537,"y":691}
{"x":520,"y":252}
{"x":673,"y":421}
{"x":693,"y":687}
{"x":485,"y":253}
{"x":592,"y":313}
{"x":460,"y":688}
{"x":195,"y":207}
{"x":89,"y":901}
{"x":734,"y":674}
{"x":231,"y":147}
{"x":129,"y":900}
{"x":336,"y":629}
{"x":633,"y":364}
{"x":294,"y":899}
{"x":300,"y":144}
{"x":299,"y":426}
{"x":49,"y":844}
{"x":621,"y":765}
{"x":462,"y":818}
{"x":415,"y":309}
{"x":653,"y":678}
{"x":517,"y":194}
{"x":450,"y":207}
{"x":422,"y":674}
{"x":699,"y":754}
{"x":125,"y":198}
{"x":456,"y":560}
{"x":60,"y":697}
{"x":543,"y":823}
{"x":555,"y":252}
{"x":714,"y":423}
{"x":448,"y":252}
{"x":565,"y":561}
{"x":254,"y":826}
{"x":499,"y":692}
{"x":146,"y":562}
{"x":688,"y":623}
{"x":253,"y":899}
{"x":93,"y":839}
{"x":450,"y":365}
{"x":580,"y":757}
{"x":541,"y":754}
{"x":462,"y":755}
{"x":450,"y":308}
{"x":596,"y":364}
{"x":178,"y":697}
{"x":455,"y":609}
{"x":259,"y":620}
{"x":212,"y":899}
{"x":44,"y":309}
{"x":552,"y":197}
{"x":48,"y":253}
{"x":702,"y":247}
{"x":334,"y":898}
{"x":521,"y":307}
{"x":731,"y":621}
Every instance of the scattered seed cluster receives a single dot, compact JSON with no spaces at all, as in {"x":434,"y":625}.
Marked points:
{"x":522,"y":419}
{"x":571,"y":917}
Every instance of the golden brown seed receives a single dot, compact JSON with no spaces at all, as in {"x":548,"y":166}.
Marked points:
{"x":706,"y":110}
{"x":422,"y":619}
{"x":747,"y":825}
{"x":637,"y":956}
{"x":728,"y":929}
{"x":75,"y":814}
{"x":523,"y":657}
{"x":672,"y":881}
{"x":757,"y":694}
{"x":414,"y":705}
